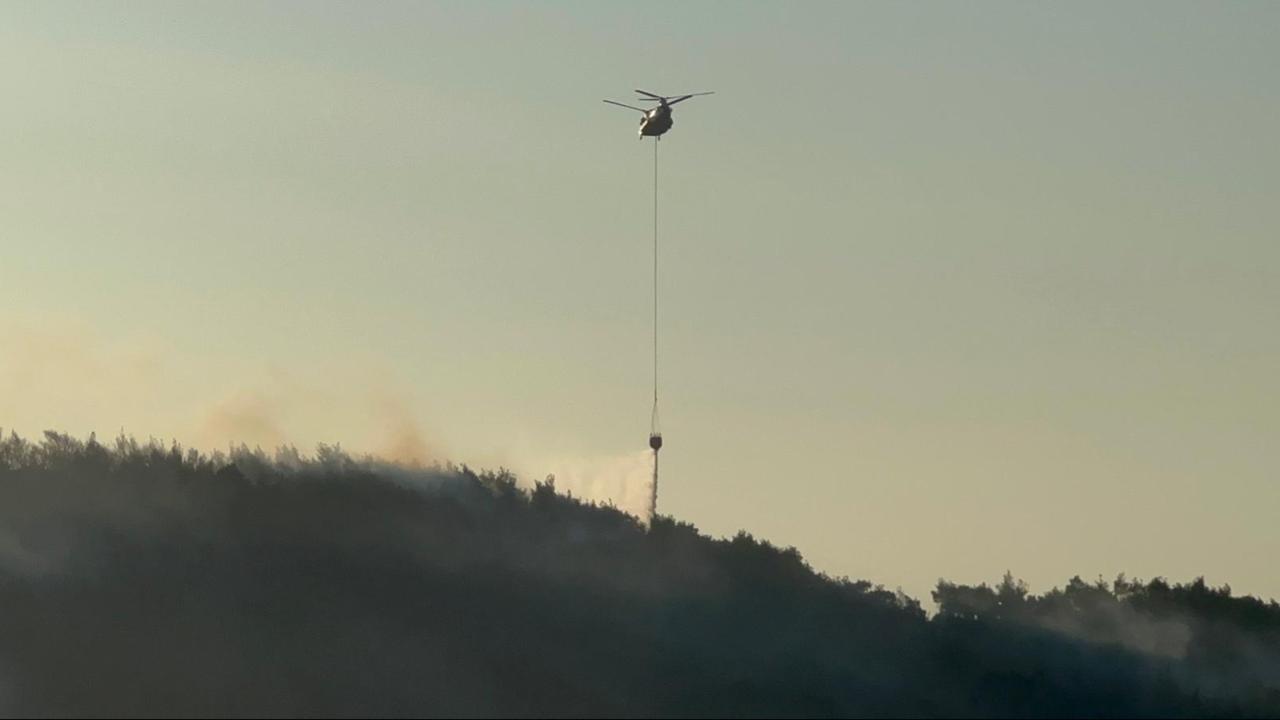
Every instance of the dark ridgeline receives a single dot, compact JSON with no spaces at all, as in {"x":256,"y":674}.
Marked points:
{"x":142,"y":580}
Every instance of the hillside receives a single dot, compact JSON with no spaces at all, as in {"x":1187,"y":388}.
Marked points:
{"x":140,"y":579}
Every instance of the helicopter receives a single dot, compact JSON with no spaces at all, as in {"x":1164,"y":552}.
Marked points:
{"x":656,"y":120}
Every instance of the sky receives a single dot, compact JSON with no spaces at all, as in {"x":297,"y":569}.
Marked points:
{"x":947,"y":289}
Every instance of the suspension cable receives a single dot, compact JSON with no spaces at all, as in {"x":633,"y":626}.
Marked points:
{"x":655,"y":436}
{"x":654,"y":420}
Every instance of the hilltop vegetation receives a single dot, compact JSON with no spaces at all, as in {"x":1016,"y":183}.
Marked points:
{"x":140,"y":579}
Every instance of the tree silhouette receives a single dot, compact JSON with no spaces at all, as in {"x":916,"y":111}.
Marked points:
{"x":145,"y":579}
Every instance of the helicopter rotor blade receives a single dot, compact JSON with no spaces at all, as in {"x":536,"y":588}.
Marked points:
{"x":651,"y":95}
{"x":682,"y":98}
{"x":629,"y":107}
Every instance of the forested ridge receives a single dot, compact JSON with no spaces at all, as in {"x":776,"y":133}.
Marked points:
{"x":145,"y":579}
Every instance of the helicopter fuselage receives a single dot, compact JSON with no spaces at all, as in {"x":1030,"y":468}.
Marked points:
{"x":656,"y":121}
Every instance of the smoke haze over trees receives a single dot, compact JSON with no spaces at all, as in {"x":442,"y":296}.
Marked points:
{"x":140,"y":579}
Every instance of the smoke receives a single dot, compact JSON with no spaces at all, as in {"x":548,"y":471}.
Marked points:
{"x":1175,"y":637}
{"x":1122,"y":625}
{"x":248,"y":417}
{"x":17,"y":557}
{"x":61,"y":373}
{"x":66,"y":374}
{"x":58,"y":372}
{"x":405,"y":439}
{"x":286,"y":412}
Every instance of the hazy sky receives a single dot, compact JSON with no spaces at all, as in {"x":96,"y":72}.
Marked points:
{"x":949,"y":288}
